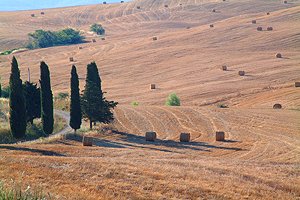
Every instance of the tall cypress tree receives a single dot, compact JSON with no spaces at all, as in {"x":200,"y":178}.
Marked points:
{"x":33,"y":101}
{"x":46,"y":99}
{"x":95,"y":107}
{"x":17,"y":110}
{"x":75,"y":107}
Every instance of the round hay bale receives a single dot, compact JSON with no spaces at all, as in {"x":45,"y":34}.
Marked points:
{"x":71,"y":59}
{"x":213,"y":10}
{"x":254,"y":21}
{"x":32,"y":15}
{"x":154,"y":38}
{"x":277,"y":106}
{"x":94,"y":40}
{"x":220,"y":136}
{"x":211,"y":26}
{"x":166,"y":6}
{"x":150,"y":136}
{"x":80,"y":47}
{"x":268,"y":13}
{"x":152,"y":86}
{"x":278,"y":55}
{"x":188,"y":27}
{"x":285,"y":2}
{"x":138,"y":7}
{"x":259,"y":28}
{"x":270,"y":28}
{"x":297,"y":84}
{"x":242,"y":73}
{"x":224,"y":68}
{"x":180,"y":4}
{"x":87,"y":141}
{"x":42,"y":13}
{"x":185,"y":137}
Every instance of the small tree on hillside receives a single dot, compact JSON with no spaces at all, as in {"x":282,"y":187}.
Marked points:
{"x":98,"y":29}
{"x":17,"y":110}
{"x":0,"y":89}
{"x":95,"y":107}
{"x":75,"y":107}
{"x":46,"y":100}
{"x":33,"y":101}
{"x":173,"y":100}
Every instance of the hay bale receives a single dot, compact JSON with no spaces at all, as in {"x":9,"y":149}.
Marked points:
{"x":166,"y":6}
{"x":71,"y":59}
{"x":154,"y":38}
{"x":138,"y":7}
{"x":32,"y":15}
{"x":180,"y":4}
{"x":224,"y":67}
{"x":270,"y":28}
{"x":80,"y":47}
{"x":213,"y":10}
{"x":102,"y":38}
{"x":268,"y":13}
{"x":285,"y":2}
{"x":185,"y":137}
{"x":211,"y":26}
{"x":254,"y":21}
{"x":87,"y":141}
{"x":150,"y":136}
{"x":278,"y":55}
{"x":188,"y":27}
{"x":42,"y":13}
{"x":297,"y":84}
{"x":259,"y":28}
{"x":152,"y":86}
{"x":93,"y":40}
{"x":277,"y":106}
{"x":220,"y":136}
{"x":242,"y":73}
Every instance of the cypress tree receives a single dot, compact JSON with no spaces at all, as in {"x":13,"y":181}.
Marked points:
{"x":95,"y":107}
{"x":33,"y":101}
{"x":0,"y":89}
{"x":46,"y":99}
{"x":17,"y":110}
{"x":75,"y":107}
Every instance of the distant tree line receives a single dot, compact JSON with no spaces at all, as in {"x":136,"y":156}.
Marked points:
{"x":43,"y":39}
{"x":27,"y":101}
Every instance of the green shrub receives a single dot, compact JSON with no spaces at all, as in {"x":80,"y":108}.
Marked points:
{"x":43,"y":39}
{"x":5,"y":92}
{"x":134,"y":103}
{"x":98,"y":29}
{"x":173,"y":100}
{"x":62,"y":95}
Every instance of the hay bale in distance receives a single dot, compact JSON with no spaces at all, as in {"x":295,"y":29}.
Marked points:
{"x":32,"y":15}
{"x":285,"y":2}
{"x":42,"y":13}
{"x":259,"y":28}
{"x":150,"y":136}
{"x":254,"y":21}
{"x":277,"y":106}
{"x":138,"y":7}
{"x":242,"y":73}
{"x":152,"y":86}
{"x":268,"y":13}
{"x":213,"y":10}
{"x":220,"y":136}
{"x":80,"y":47}
{"x":211,"y":26}
{"x":166,"y":6}
{"x":278,"y":55}
{"x":71,"y":59}
{"x":297,"y":84}
{"x":270,"y":28}
{"x":224,"y":67}
{"x":154,"y":38}
{"x":103,"y":38}
{"x":185,"y":137}
{"x":93,"y":40}
{"x":87,"y":141}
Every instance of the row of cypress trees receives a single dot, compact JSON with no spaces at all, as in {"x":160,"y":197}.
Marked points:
{"x":24,"y":101}
{"x":28,"y":102}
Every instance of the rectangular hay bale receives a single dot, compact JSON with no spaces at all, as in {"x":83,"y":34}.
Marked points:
{"x":220,"y":136}
{"x":185,"y":137}
{"x":87,"y":141}
{"x":297,"y":84}
{"x":150,"y":136}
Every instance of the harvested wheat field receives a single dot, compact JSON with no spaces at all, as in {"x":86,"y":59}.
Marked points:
{"x":260,"y":157}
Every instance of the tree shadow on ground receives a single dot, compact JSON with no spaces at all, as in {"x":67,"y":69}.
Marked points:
{"x":42,"y":152}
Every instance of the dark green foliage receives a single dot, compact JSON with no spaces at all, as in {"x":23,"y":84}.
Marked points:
{"x":94,"y":106}
{"x":46,"y":99}
{"x":0,"y":90}
{"x":33,"y":101}
{"x":5,"y":92}
{"x":62,"y":95}
{"x":43,"y":39}
{"x":75,"y":107}
{"x":98,"y":29}
{"x":173,"y":100}
{"x":16,"y":102}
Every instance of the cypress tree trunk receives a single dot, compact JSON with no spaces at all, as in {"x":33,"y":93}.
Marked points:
{"x":16,"y":102}
{"x":75,"y":107}
{"x":46,"y":100}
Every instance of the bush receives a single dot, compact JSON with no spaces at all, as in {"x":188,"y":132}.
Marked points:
{"x":43,"y":39}
{"x":62,"y":95}
{"x":5,"y":92}
{"x":134,"y":103}
{"x":98,"y":29}
{"x":173,"y":100}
